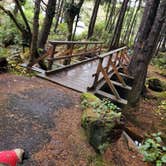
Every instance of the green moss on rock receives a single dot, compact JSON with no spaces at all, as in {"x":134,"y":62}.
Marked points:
{"x":102,"y":124}
{"x":89,"y":97}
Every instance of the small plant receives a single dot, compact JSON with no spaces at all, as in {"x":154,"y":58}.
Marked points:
{"x":103,"y":147}
{"x":104,"y":106}
{"x":153,"y":150}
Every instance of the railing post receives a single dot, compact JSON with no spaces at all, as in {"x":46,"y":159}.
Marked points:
{"x":100,"y":48}
{"x":50,"y":63}
{"x":68,"y":60}
{"x":96,"y":75}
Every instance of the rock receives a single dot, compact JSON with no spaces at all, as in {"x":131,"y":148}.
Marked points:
{"x":88,"y":116}
{"x":156,"y":85}
{"x":102,"y":133}
{"x":102,"y":126}
{"x":3,"y":64}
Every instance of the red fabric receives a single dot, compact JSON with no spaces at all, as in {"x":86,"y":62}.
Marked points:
{"x":9,"y":157}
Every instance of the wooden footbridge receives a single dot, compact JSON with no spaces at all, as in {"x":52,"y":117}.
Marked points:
{"x":87,"y":69}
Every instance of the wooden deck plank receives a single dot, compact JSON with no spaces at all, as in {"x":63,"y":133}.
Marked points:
{"x":77,"y":78}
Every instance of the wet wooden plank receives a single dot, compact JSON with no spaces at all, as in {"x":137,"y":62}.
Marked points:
{"x":69,"y":67}
{"x":77,"y":78}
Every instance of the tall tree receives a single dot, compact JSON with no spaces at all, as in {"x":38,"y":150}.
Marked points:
{"x":93,"y":18}
{"x":133,"y":22}
{"x":117,"y":32}
{"x":163,"y":34}
{"x":108,"y":6}
{"x":24,"y":27}
{"x":111,"y":14}
{"x":33,"y":50}
{"x":72,"y":9}
{"x":149,"y":30}
{"x":60,"y":7}
{"x":129,"y":21}
{"x":43,"y":35}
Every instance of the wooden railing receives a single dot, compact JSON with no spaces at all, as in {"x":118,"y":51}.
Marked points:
{"x":108,"y":63}
{"x":70,"y":52}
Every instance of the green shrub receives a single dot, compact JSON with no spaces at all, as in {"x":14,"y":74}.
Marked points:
{"x":160,"y":60}
{"x":61,"y":33}
{"x":99,"y":33}
{"x":153,"y":150}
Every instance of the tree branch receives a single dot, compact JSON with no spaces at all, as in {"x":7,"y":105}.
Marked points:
{"x":12,"y":17}
{"x":23,"y":15}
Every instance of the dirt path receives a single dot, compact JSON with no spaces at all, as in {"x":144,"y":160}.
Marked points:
{"x":44,"y":119}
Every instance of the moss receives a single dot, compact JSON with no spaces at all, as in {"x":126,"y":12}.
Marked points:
{"x":25,"y":55}
{"x":89,"y":97}
{"x":88,"y":116}
{"x":162,"y":72}
{"x":160,"y":61}
{"x":159,"y":95}
{"x":100,"y":120}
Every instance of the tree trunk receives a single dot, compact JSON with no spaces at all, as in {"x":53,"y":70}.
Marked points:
{"x":113,"y":21}
{"x":160,"y":39}
{"x":73,"y":36}
{"x":93,"y":18}
{"x":43,"y":35}
{"x":133,"y":22}
{"x":71,"y":11}
{"x":26,"y":33}
{"x":58,"y":15}
{"x":33,"y":51}
{"x":108,"y":4}
{"x":152,"y":21}
{"x":116,"y":37}
{"x":163,"y":33}
{"x":163,"y":48}
{"x":112,"y":12}
{"x":127,"y":20}
{"x":130,"y":22}
{"x":28,"y":29}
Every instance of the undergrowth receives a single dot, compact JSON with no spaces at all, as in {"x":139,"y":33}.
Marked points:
{"x":153,"y":150}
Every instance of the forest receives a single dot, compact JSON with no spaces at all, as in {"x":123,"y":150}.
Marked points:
{"x":83,"y":82}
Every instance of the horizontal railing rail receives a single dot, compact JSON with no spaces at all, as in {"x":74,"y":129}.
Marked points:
{"x":110,"y":62}
{"x":111,"y":52}
{"x":55,"y":42}
{"x":70,"y":50}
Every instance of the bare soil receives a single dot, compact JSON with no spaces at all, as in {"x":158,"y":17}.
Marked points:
{"x":44,"y":118}
{"x":145,"y":118}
